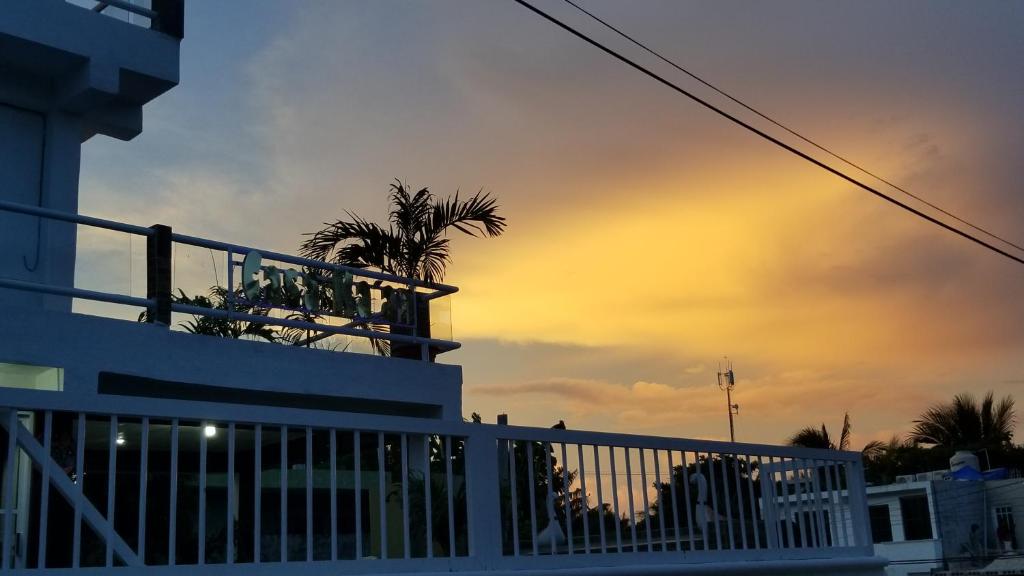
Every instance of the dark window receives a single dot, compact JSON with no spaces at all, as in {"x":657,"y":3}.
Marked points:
{"x":881,"y":525}
{"x":917,"y":519}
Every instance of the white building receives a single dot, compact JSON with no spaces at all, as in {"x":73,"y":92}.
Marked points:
{"x":925,"y":525}
{"x":135,"y":447}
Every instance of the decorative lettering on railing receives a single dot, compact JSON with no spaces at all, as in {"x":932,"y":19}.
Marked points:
{"x":338,"y":294}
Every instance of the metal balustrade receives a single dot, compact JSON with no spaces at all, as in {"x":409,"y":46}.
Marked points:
{"x":184,"y":484}
{"x":162,"y":15}
{"x":568,"y":493}
{"x":408,"y":337}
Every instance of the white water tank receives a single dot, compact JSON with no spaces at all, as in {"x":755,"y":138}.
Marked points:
{"x":962,"y":459}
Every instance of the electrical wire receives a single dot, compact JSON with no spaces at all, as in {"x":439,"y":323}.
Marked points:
{"x":793,"y":132}
{"x":765,"y":135}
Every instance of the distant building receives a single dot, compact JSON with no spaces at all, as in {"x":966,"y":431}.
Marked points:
{"x":927,"y":523}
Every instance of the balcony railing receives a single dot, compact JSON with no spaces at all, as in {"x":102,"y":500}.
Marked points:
{"x":175,"y":483}
{"x":166,"y":16}
{"x":263,"y":288}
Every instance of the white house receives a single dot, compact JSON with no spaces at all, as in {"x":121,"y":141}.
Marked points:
{"x":925,"y":525}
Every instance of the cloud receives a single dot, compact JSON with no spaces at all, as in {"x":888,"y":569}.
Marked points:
{"x":646,"y":237}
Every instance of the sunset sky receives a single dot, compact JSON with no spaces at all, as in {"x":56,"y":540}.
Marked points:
{"x":647,"y":237}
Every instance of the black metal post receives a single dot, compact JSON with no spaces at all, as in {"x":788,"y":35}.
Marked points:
{"x":158,"y":274}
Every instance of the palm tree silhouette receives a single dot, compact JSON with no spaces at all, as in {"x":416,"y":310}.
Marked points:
{"x":811,"y":437}
{"x":965,"y":424}
{"x":415,"y":242}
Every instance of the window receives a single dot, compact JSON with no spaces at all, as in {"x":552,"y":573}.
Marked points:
{"x":1006,"y":528}
{"x":881,"y":524}
{"x":33,"y":377}
{"x":917,"y":519}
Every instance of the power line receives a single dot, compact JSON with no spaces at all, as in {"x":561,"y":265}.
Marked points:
{"x":765,"y":135}
{"x":764,"y":116}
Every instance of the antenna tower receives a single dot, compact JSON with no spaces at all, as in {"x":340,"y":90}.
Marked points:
{"x":726,"y":382}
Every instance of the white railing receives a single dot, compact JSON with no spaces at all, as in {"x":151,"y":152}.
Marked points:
{"x":166,"y":16}
{"x":182,"y":483}
{"x":369,"y":304}
{"x":597,"y":493}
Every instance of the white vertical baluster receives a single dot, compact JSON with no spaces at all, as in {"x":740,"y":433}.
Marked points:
{"x":714,"y":500}
{"x":44,"y":495}
{"x":784,"y":482}
{"x":661,"y":500}
{"x":514,"y":481}
{"x":172,"y":533}
{"x":739,"y":500}
{"x":629,"y":492}
{"x":646,"y":500}
{"x":284,"y":494}
{"x":833,"y":518}
{"x":799,"y":507}
{"x":769,"y":505}
{"x":358,"y":483}
{"x":806,"y":532}
{"x":406,"y":544}
{"x":842,"y":508}
{"x":309,"y":494}
{"x":451,"y":495}
{"x":753,"y":503}
{"x":76,"y":547}
{"x":808,"y":489}
{"x":230,"y":481}
{"x":550,"y":496}
{"x":382,"y":496}
{"x":728,"y":501}
{"x":143,"y":486}
{"x":584,"y":504}
{"x":566,"y":498}
{"x":689,"y":508}
{"x":111,"y":484}
{"x":856,"y":497}
{"x":600,"y":500}
{"x":257,"y":522}
{"x":819,"y":508}
{"x":203,"y":445}
{"x":675,"y":501}
{"x":531,"y":484}
{"x":812,"y":502}
{"x":333,"y":457}
{"x":12,"y":443}
{"x":428,"y":496}
{"x":615,"y":499}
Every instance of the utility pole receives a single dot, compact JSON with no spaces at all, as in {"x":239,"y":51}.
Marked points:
{"x":727,"y":381}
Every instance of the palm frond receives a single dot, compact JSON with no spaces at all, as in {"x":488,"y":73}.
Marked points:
{"x":844,"y":436}
{"x":873,"y":450}
{"x":811,"y":437}
{"x":476,"y":216}
{"x":409,"y":213}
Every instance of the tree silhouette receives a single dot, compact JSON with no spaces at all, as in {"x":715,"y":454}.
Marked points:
{"x":964,"y":424}
{"x":415,"y":242}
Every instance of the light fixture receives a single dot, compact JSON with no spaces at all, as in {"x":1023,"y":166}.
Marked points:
{"x":120,"y":439}
{"x":210,"y":431}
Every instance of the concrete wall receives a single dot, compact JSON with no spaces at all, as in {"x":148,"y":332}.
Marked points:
{"x":66,"y":74}
{"x":960,"y":506}
{"x":86,"y":345}
{"x":1000,"y":493}
{"x":900,"y":554}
